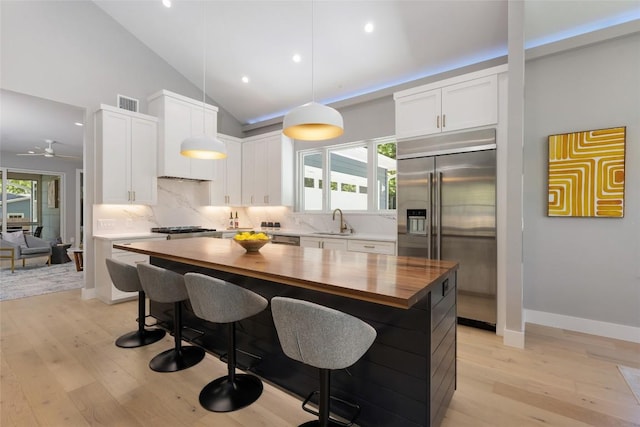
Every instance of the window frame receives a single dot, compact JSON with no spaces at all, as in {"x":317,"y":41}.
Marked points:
{"x":373,"y":196}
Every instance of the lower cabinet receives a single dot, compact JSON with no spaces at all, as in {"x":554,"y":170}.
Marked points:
{"x":351,"y":245}
{"x":323,"y":243}
{"x":371,"y":246}
{"x":105,"y":290}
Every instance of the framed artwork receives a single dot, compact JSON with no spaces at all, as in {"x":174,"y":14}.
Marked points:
{"x":52,"y":194}
{"x":586,"y":173}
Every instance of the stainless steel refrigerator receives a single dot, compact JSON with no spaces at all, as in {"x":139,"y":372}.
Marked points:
{"x":446,"y":192}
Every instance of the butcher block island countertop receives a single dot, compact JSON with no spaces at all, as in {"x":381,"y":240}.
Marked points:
{"x":408,"y":376}
{"x":396,"y":281}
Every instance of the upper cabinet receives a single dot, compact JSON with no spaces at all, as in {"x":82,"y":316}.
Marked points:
{"x":267,"y":170}
{"x":226,"y":186}
{"x":181,"y":117}
{"x":126,"y":157}
{"x":460,"y":103}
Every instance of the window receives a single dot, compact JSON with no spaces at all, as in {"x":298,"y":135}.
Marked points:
{"x":351,"y":169}
{"x":312,"y":172}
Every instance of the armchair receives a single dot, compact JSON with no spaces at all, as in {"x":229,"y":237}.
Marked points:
{"x":33,"y":247}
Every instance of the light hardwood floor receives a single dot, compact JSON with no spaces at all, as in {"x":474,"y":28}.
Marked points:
{"x":59,"y":367}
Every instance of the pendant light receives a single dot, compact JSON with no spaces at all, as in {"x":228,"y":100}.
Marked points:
{"x":313,"y":121}
{"x":203,"y":146}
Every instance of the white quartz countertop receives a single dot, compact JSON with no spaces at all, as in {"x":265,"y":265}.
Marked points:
{"x":124,"y":236}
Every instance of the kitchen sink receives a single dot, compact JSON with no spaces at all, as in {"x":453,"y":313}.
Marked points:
{"x":331,"y":233}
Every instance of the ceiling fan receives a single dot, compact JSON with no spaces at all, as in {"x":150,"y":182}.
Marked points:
{"x":47,"y":151}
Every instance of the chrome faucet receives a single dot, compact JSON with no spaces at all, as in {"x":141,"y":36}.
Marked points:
{"x":343,"y":225}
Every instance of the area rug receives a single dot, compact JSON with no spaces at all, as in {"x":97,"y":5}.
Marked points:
{"x":632,"y":377}
{"x":39,"y":279}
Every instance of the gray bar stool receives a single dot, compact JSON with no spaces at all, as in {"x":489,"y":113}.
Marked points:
{"x":167,"y":286}
{"x":323,"y":338}
{"x":222,"y":302}
{"x":125,"y":278}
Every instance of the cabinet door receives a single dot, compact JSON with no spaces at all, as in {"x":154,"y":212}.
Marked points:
{"x":177,"y":127}
{"x":248,"y":175}
{"x":418,"y":114}
{"x":144,"y":138}
{"x":116,"y":160}
{"x":470,"y":104}
{"x":273,"y":170}
{"x":261,"y":171}
{"x":310,"y":242}
{"x":254,"y":173}
{"x":226,"y":187}
{"x":335,"y":244}
{"x":233,"y":167}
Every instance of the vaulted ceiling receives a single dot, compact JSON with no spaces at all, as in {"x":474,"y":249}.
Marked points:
{"x":339,"y":59}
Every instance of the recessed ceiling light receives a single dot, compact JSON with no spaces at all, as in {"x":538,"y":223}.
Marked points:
{"x":368,"y":27}
{"x":166,"y":3}
{"x":245,"y":79}
{"x":79,"y":124}
{"x":297,"y":58}
{"x":31,"y":152}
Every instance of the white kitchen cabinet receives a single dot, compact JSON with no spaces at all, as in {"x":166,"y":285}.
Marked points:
{"x":180,"y":118}
{"x":323,"y":243}
{"x":105,"y":290}
{"x":226,"y":187}
{"x":126,"y":144}
{"x":371,"y":246}
{"x":429,"y":109}
{"x":267,"y":170}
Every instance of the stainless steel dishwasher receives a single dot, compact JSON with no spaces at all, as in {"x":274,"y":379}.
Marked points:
{"x":280,"y":239}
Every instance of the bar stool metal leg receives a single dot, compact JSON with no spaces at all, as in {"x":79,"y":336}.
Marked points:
{"x":142,"y":336}
{"x":235,"y":391}
{"x":179,"y":357}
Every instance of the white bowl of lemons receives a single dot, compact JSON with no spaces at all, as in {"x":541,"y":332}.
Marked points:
{"x":251,"y":241}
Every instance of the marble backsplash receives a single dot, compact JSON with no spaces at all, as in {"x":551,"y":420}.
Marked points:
{"x":185,"y":203}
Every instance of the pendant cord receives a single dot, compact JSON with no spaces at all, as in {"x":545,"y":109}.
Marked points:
{"x":313,"y":90}
{"x":204,"y":66}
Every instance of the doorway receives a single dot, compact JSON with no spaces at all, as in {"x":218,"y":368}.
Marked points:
{"x":32,"y":201}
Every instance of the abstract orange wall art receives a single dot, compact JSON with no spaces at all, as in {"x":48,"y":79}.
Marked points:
{"x":586,"y":173}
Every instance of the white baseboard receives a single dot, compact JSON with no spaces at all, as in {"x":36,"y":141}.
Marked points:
{"x":587,"y":326}
{"x":513,"y":338}
{"x":88,"y":293}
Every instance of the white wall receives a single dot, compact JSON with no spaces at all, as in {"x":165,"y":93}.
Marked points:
{"x":587,"y":268}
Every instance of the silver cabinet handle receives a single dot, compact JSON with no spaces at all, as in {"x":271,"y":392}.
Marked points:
{"x":444,"y":121}
{"x":369,"y":246}
{"x":438,"y":121}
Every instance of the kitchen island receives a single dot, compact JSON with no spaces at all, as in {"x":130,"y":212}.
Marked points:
{"x":408,"y":375}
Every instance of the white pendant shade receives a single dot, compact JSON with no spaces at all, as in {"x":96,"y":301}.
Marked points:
{"x":203,"y":147}
{"x":313,"y":122}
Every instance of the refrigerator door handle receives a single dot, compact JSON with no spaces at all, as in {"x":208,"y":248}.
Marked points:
{"x":430,"y":219}
{"x":438,"y":213}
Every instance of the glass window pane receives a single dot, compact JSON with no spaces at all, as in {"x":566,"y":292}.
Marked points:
{"x":386,"y":175}
{"x":348,"y":170}
{"x":312,"y":175}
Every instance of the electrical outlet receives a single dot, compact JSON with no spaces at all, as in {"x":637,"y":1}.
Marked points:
{"x":106,"y":224}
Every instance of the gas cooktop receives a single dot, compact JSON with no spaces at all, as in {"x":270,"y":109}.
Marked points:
{"x":181,"y":229}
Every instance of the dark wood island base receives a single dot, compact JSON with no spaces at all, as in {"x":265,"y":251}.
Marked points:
{"x":407,"y":377}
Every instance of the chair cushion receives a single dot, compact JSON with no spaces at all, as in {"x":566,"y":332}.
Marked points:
{"x":33,"y":251}
{"x":16,"y":237}
{"x":320,"y":336}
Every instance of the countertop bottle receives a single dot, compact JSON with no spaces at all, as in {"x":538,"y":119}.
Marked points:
{"x":231,"y":223}
{"x":236,"y":223}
